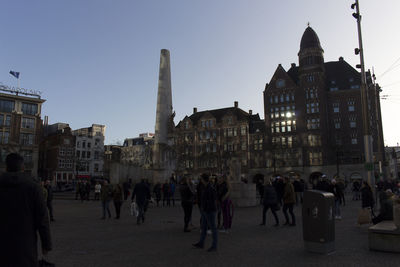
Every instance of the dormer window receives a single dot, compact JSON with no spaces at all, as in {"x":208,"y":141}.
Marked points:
{"x":280,"y":83}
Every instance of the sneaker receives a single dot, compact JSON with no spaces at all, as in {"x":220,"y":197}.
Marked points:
{"x":198,"y":245}
{"x":208,"y":232}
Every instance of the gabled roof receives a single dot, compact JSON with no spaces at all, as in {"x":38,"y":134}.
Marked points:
{"x":341,"y":72}
{"x":218,"y":114}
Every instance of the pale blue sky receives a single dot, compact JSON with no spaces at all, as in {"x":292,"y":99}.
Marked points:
{"x":97,"y":61}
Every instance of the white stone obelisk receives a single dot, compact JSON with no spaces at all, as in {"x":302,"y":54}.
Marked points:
{"x":164,"y":110}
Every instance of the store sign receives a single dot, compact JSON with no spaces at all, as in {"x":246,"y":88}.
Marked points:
{"x":18,"y":90}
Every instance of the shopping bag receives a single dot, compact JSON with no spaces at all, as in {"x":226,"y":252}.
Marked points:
{"x":134,"y":209}
{"x":364,"y":216}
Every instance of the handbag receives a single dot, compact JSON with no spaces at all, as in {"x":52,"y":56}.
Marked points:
{"x":44,"y":263}
{"x":364,"y":216}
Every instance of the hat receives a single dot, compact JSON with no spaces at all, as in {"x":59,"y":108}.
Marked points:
{"x":323,"y":176}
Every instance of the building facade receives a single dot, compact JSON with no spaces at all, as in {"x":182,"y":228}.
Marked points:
{"x":20,"y":128}
{"x":219,"y":141}
{"x":313,"y":117}
{"x":57,"y":154}
{"x":89,"y":151}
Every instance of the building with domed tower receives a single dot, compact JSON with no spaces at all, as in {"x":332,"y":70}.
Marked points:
{"x":313,"y":117}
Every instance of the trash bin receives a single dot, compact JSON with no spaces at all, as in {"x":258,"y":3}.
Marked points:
{"x":318,"y":221}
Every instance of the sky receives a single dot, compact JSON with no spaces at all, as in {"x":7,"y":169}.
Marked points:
{"x":97,"y":61}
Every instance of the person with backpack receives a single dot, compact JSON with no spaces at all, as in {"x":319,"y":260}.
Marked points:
{"x":106,"y":196}
{"x":270,"y":201}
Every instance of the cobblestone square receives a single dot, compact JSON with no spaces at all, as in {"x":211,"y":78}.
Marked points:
{"x":81,"y":239}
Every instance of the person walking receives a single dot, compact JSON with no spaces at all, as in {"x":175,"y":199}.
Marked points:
{"x":157,"y":192}
{"x":49,"y":200}
{"x":126,"y":186}
{"x":208,"y":212}
{"x":270,"y":201}
{"x":226,"y":204}
{"x":289,"y":198}
{"x":117,"y":199}
{"x":97,"y":190}
{"x":166,"y":197}
{"x":336,"y":191}
{"x":187,"y":194}
{"x":172,"y":187}
{"x":106,"y":196}
{"x":367,"y":198}
{"x":78,"y":189}
{"x":142,"y":194}
{"x":24,"y":216}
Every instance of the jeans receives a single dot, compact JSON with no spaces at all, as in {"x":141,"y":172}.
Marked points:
{"x":208,"y":219}
{"x":50,"y":208}
{"x":337,"y":208}
{"x":187,"y":210}
{"x":265,"y":209}
{"x":141,"y":209}
{"x":106,"y":206}
{"x":290,"y":207}
{"x":226,"y":213}
{"x":117,"y":205}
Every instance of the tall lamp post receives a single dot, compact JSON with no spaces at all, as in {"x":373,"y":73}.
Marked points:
{"x":369,"y":166}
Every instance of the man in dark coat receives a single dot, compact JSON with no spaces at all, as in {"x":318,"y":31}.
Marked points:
{"x":270,"y":201}
{"x":208,"y":212}
{"x":142,"y":194}
{"x":24,"y":214}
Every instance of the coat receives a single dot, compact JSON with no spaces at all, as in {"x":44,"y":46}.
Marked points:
{"x":23,"y":215}
{"x":270,"y":196}
{"x":106,"y":193}
{"x":289,"y":196}
{"x":142,"y":193}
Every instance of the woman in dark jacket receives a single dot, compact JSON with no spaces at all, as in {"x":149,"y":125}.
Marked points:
{"x":270,"y":201}
{"x":367,"y":198}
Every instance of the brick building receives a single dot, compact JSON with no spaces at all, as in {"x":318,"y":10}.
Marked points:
{"x":57,"y":154}
{"x":214,"y":140}
{"x":20,"y":126}
{"x":313,"y":116}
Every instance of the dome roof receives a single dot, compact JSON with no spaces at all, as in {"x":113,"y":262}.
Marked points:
{"x":309,"y":39}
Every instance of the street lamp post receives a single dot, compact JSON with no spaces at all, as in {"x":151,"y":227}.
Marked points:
{"x":364,"y":102}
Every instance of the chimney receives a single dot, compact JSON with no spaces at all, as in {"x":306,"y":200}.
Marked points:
{"x":341,"y":59}
{"x":194,"y":110}
{"x":250,"y":112}
{"x":293,"y":65}
{"x":236,"y":104}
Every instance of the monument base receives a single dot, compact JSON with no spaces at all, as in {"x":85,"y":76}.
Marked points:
{"x":243,"y":195}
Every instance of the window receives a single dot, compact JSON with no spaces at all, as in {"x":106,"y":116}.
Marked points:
{"x":336,"y":122}
{"x":313,"y":123}
{"x":89,"y":144}
{"x":1,"y":119}
{"x":29,"y":109}
{"x":5,"y":137}
{"x":351,"y":105}
{"x":354,"y":141}
{"x":243,"y":130}
{"x":352,"y":121}
{"x":235,"y":131}
{"x":276,"y":99}
{"x":88,"y":154}
{"x":26,"y":139}
{"x":315,"y":158}
{"x":27,"y":155}
{"x":96,"y":167}
{"x":186,"y":125}
{"x":28,"y":123}
{"x":83,"y":144}
{"x":8,"y":120}
{"x":229,"y":132}
{"x":312,"y":107}
{"x":83,"y":154}
{"x":78,"y":153}
{"x":6,"y":105}
{"x":314,"y":140}
{"x":280,"y":83}
{"x":310,"y":78}
{"x":335,"y":107}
